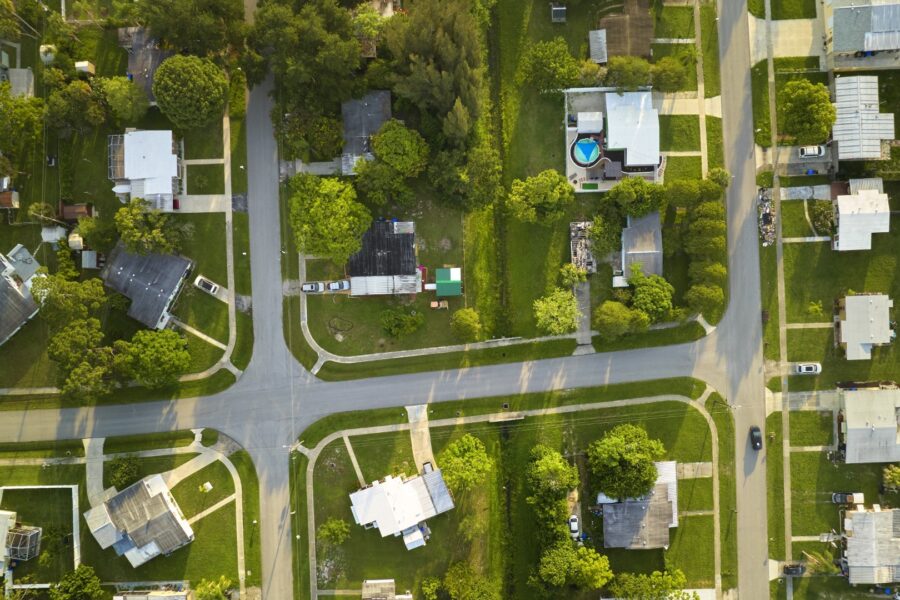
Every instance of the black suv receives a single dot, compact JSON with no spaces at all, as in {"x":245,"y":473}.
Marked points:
{"x":756,"y":439}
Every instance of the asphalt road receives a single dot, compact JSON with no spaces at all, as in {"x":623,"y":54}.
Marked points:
{"x":275,"y":399}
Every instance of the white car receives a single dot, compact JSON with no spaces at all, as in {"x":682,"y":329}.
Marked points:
{"x":339,"y":286}
{"x":313,"y":287}
{"x":807,"y":369}
{"x":811,"y":152}
{"x":206,"y":285}
{"x":574,"y":527}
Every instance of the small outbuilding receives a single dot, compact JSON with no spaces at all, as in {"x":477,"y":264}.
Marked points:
{"x":597,"y":46}
{"x":864,"y":322}
{"x":382,"y":589}
{"x":557,"y":12}
{"x":449,"y":281}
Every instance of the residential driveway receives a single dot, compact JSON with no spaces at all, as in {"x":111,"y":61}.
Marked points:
{"x":791,"y":37}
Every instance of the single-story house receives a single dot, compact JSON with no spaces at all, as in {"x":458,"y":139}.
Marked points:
{"x":386,"y":263}
{"x":382,"y":589}
{"x":146,"y":164}
{"x":860,"y":214}
{"x":643,"y":523}
{"x":862,"y":34}
{"x":641,"y":244}
{"x":861,"y":129}
{"x":864,"y":321}
{"x":144,"y":57}
{"x":151,"y":281}
{"x":870,"y":425}
{"x":399,"y":506}
{"x":362,"y":117}
{"x":141,"y":522}
{"x":872,"y":537}
{"x":633,"y":129}
{"x":17,"y":306}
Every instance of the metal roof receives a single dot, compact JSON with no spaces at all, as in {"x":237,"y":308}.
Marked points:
{"x":388,"y":248}
{"x":871,"y":425}
{"x":643,"y":523}
{"x":363,"y":117}
{"x":437,"y":489}
{"x":859,"y":216}
{"x":448,"y":281}
{"x":870,"y":183}
{"x":16,"y":307}
{"x":642,"y":243}
{"x":867,"y":322}
{"x":150,"y":158}
{"x":860,"y":127}
{"x":597,"y":43}
{"x":873,"y":546}
{"x":633,"y":126}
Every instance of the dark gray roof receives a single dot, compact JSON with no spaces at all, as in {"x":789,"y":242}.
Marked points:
{"x":146,"y":518}
{"x":363,"y":117}
{"x":850,"y":28}
{"x":638,"y":524}
{"x":144,"y":56}
{"x":642,"y":243}
{"x":15,"y":309}
{"x":388,"y":248}
{"x":151,"y":281}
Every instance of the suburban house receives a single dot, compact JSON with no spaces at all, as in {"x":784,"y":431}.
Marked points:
{"x":869,"y":425}
{"x":862,"y":34}
{"x":641,"y":244}
{"x":643,"y":523}
{"x":861,"y":131}
{"x":18,"y":542}
{"x":146,"y":164}
{"x":399,"y":506}
{"x":141,"y":522}
{"x":151,"y":281}
{"x":382,"y":589}
{"x":362,"y":117}
{"x":610,"y":136}
{"x":17,"y":306}
{"x":872,"y":537}
{"x":386,"y":263}
{"x":597,"y":46}
{"x":863,"y":322}
{"x":144,"y":57}
{"x":860,"y":214}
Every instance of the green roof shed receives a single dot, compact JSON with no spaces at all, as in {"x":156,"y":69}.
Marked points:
{"x":449,"y":282}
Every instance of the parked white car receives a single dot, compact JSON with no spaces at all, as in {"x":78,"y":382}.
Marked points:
{"x":313,"y":287}
{"x":339,"y":286}
{"x":574,"y":527}
{"x":811,"y":152}
{"x":807,"y":368}
{"x":206,"y":285}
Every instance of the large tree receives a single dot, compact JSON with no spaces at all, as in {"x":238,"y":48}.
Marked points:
{"x":565,"y":565}
{"x":622,"y":460}
{"x":557,"y":313}
{"x":613,"y":320}
{"x":549,"y":66}
{"x":76,"y":106}
{"x":605,"y":235}
{"x":669,"y":74}
{"x":401,"y":148}
{"x":63,"y":301}
{"x":190,"y":91}
{"x":465,"y":463}
{"x":155,"y":358}
{"x":542,"y":198}
{"x":80,"y":584}
{"x":705,"y":298}
{"x":21,"y":125}
{"x":144,"y":230}
{"x":638,"y":197}
{"x":665,"y":585}
{"x":627,"y":72}
{"x":199,"y":27}
{"x":549,"y":475}
{"x":379,"y":184}
{"x":326,"y":218}
{"x":652,"y":294}
{"x":461,"y":582}
{"x":76,"y":339}
{"x":127,"y":101}
{"x":807,"y":111}
{"x":466,"y":325}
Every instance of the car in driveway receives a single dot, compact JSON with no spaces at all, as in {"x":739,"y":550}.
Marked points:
{"x":848,"y":498}
{"x":574,"y":527}
{"x":206,"y":285}
{"x":811,"y":152}
{"x":794,"y":569}
{"x":756,"y":440}
{"x":313,"y":287}
{"x":339,"y":286}
{"x":807,"y":368}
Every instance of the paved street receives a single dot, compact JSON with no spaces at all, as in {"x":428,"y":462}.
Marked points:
{"x":276,"y":399}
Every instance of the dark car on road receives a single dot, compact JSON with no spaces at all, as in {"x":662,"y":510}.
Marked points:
{"x":756,"y":438}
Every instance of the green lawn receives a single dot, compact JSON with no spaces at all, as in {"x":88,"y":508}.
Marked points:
{"x":238,"y":156}
{"x":250,"y":486}
{"x":293,"y":334}
{"x":724,"y":420}
{"x":710,"y":41}
{"x":769,"y":290}
{"x":50,"y":509}
{"x":679,"y":132}
{"x":205,"y":142}
{"x":149,"y":441}
{"x":205,"y":179}
{"x":201,"y":311}
{"x":243,"y":346}
{"x":691,"y":550}
{"x":688,"y":332}
{"x":793,"y":219}
{"x":695,"y":494}
{"x":786,"y":69}
{"x":189,"y":493}
{"x":715,"y":149}
{"x":823,"y":588}
{"x":683,"y":167}
{"x":151,"y":466}
{"x":811,"y":428}
{"x":818,"y":345}
{"x":240,"y":230}
{"x":775,"y":484}
{"x":384,"y":454}
{"x":673,"y":21}
{"x":686,"y":55}
{"x":784,"y":9}
{"x":42,"y":449}
{"x":203,"y":354}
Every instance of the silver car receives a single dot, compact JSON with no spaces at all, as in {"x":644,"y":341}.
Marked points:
{"x":339,"y":286}
{"x":807,"y":369}
{"x":313,"y":287}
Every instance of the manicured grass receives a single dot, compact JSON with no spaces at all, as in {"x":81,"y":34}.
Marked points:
{"x":189,"y":493}
{"x":149,"y":441}
{"x":243,"y":346}
{"x":683,"y":167}
{"x":695,"y":494}
{"x":24,"y":358}
{"x":209,"y":437}
{"x":818,"y":345}
{"x":50,"y":509}
{"x":42,"y":449}
{"x":775,"y":485}
{"x":794,"y":9}
{"x":822,"y":588}
{"x":673,"y":21}
{"x":724,"y":420}
{"x":709,"y":35}
{"x":205,"y":179}
{"x":692,"y":550}
{"x":786,"y":69}
{"x":332,"y":371}
{"x":151,"y":466}
{"x":300,"y":544}
{"x":205,"y":142}
{"x":814,"y":478}
{"x":768,"y":271}
{"x":384,"y":454}
{"x":293,"y":333}
{"x":203,"y":354}
{"x":811,"y":428}
{"x":250,"y":486}
{"x":686,"y":55}
{"x":687,"y":332}
{"x":240,"y":230}
{"x":238,"y":156}
{"x":793,"y":219}
{"x":679,"y":132}
{"x":715,"y":149}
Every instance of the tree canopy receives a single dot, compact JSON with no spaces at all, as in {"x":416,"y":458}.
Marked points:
{"x":215,"y":589}
{"x":627,"y":73}
{"x":669,"y":74}
{"x":582,"y":567}
{"x":465,"y":463}
{"x":466,"y":325}
{"x":548,"y":66}
{"x":21,"y":125}
{"x":80,"y":584}
{"x":379,"y":184}
{"x":613,"y":320}
{"x":144,"y":230}
{"x":199,"y":27}
{"x":652,"y":294}
{"x":542,"y":198}
{"x":622,"y":460}
{"x":638,"y":197}
{"x":401,"y":148}
{"x":127,"y":101}
{"x":808,"y":114}
{"x":77,"y":106}
{"x":190,"y":91}
{"x":326,"y":219}
{"x":557,"y":313}
{"x":461,"y":582}
{"x":666,"y":585}
{"x":605,"y":236}
{"x":156,"y":358}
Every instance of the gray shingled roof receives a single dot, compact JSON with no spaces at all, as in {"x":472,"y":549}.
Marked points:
{"x":642,"y":243}
{"x":150,"y":281}
{"x":144,"y":56}
{"x":363,"y":117}
{"x":15,"y":309}
{"x":638,"y":524}
{"x":146,"y":518}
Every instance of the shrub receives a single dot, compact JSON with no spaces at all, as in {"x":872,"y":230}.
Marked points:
{"x":398,"y":323}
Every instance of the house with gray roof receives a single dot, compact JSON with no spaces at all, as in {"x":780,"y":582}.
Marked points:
{"x":641,"y":244}
{"x":151,"y":281}
{"x":872,"y":538}
{"x":144,"y":57}
{"x":141,"y":522}
{"x":870,"y":425}
{"x":643,"y":523}
{"x":861,"y":131}
{"x":862,"y":34}
{"x":17,"y":306}
{"x":864,"y":322}
{"x":362,"y":117}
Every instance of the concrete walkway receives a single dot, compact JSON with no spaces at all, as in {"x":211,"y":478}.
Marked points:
{"x":806,"y":240}
{"x":220,"y":504}
{"x":701,"y":91}
{"x":94,"y":458}
{"x":672,"y":104}
{"x":420,"y":435}
{"x":203,"y":203}
{"x":182,"y":472}
{"x":822,"y":400}
{"x":198,"y":333}
{"x":806,"y":192}
{"x":810,"y":325}
{"x":696,"y":470}
{"x":313,"y":454}
{"x":790,"y":37}
{"x":352,"y":455}
{"x":203,"y":161}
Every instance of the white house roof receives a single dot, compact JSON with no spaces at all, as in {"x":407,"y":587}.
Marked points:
{"x":870,"y":418}
{"x":869,"y":183}
{"x":149,"y":157}
{"x":860,"y":127}
{"x":633,"y":126}
{"x":7,"y":522}
{"x":873,"y":546}
{"x":590,"y":122}
{"x":859,"y":216}
{"x":597,"y":44}
{"x":867,"y":323}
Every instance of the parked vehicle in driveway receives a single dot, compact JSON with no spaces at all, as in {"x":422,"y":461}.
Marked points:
{"x":756,"y":439}
{"x":206,"y":285}
{"x":848,"y":498}
{"x":794,"y":569}
{"x":313,"y":287}
{"x":811,"y":152}
{"x":339,"y":286}
{"x":574,"y":527}
{"x":807,"y":368}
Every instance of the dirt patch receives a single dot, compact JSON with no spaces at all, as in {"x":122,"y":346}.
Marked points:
{"x":445,"y":244}
{"x":631,"y":31}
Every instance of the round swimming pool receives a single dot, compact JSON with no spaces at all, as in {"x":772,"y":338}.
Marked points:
{"x":586,"y":152}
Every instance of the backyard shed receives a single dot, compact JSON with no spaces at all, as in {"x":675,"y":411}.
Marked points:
{"x":449,"y":281}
